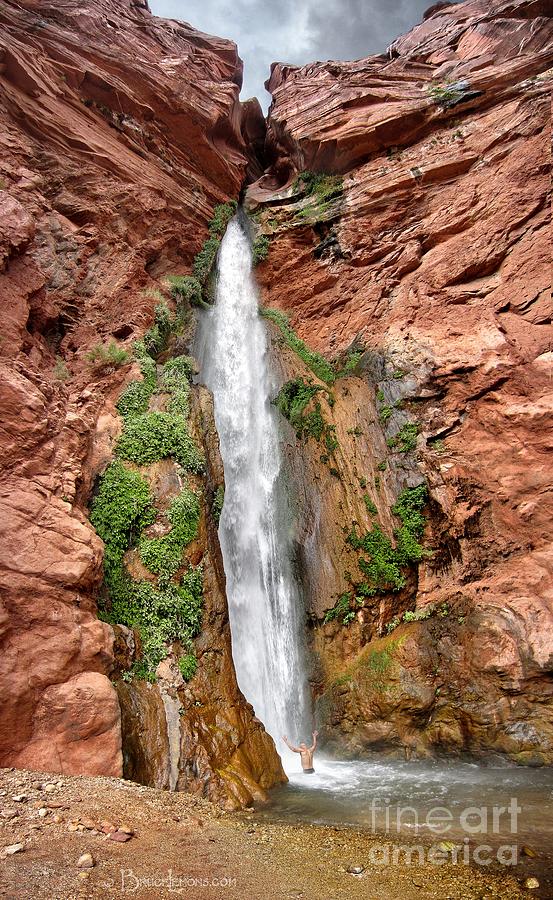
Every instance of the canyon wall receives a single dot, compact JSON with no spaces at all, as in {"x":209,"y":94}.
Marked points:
{"x":120,"y":132}
{"x":425,"y":251}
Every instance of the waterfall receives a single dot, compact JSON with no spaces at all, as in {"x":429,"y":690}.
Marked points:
{"x":254,"y":530}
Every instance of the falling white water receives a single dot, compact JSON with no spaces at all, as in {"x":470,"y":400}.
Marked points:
{"x":254,"y":528}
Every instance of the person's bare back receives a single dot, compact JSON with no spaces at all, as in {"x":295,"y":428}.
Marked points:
{"x":306,"y":753}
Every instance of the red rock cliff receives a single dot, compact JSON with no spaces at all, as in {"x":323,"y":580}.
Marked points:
{"x":119,"y":132}
{"x":435,"y":252}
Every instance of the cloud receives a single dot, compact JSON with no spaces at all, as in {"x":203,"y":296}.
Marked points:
{"x":269,"y":31}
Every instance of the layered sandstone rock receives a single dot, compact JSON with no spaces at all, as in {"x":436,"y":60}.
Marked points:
{"x":120,"y":132}
{"x":436,"y":254}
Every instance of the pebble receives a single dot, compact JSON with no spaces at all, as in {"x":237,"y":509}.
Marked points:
{"x":531,"y":884}
{"x":49,"y":788}
{"x":447,"y":846}
{"x":14,"y":848}
{"x":120,"y":836}
{"x":43,"y":812}
{"x":72,"y":827}
{"x":125,"y":829}
{"x":83,"y":875}
{"x":19,"y":798}
{"x":8,"y":813}
{"x":527,"y":851}
{"x":85,"y":861}
{"x":355,"y":870}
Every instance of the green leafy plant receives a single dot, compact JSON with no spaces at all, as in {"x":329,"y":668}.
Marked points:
{"x":317,"y":363}
{"x":175,"y":379}
{"x":120,"y":510}
{"x":61,"y":372}
{"x":371,"y":508}
{"x":205,"y":259}
{"x":293,"y":401}
{"x":155,"y":339}
{"x":163,"y":555}
{"x":217,"y":503}
{"x":108,"y":356}
{"x":382,"y":563}
{"x":260,"y":249}
{"x":323,"y":189}
{"x":340,"y":610}
{"x":158,"y":435}
{"x":444,"y":95}
{"x":187,"y":288}
{"x":406,"y":438}
{"x":188,"y":666}
{"x":222,"y":214}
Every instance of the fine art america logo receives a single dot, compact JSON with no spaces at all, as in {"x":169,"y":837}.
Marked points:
{"x":470,"y":827}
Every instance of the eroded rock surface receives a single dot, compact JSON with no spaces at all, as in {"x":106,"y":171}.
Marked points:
{"x":435,"y":255}
{"x":120,"y":132}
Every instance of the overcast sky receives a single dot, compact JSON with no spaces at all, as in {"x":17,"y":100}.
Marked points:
{"x":285,"y":31}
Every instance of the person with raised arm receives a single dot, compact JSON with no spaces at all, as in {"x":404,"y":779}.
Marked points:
{"x":306,"y":753}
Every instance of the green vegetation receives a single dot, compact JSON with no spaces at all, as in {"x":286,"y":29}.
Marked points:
{"x":260,"y":249}
{"x":163,"y":555}
{"x":135,"y":399}
{"x":341,"y":610}
{"x":353,"y":358}
{"x":323,"y":189}
{"x":317,"y":363}
{"x":157,"y":435}
{"x":371,"y":508}
{"x":382,"y":466}
{"x":379,"y":663}
{"x":121,"y":509}
{"x":165,"y":610}
{"x":108,"y":356}
{"x":385,"y":412}
{"x":292,"y":401}
{"x":406,"y":438}
{"x":222,"y":214}
{"x":217,"y":503}
{"x":382,"y":563}
{"x":161,"y":613}
{"x":61,"y":372}
{"x":187,"y":288}
{"x":188,"y":666}
{"x":420,"y":615}
{"x":204,"y":260}
{"x":444,"y":95}
{"x":175,"y":380}
{"x":155,"y":339}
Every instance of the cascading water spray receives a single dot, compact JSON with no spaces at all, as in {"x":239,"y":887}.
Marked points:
{"x":254,"y":529}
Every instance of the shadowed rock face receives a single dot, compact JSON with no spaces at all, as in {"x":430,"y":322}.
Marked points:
{"x":119,"y":133}
{"x":437,"y":253}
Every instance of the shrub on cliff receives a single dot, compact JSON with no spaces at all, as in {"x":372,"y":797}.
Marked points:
{"x":159,"y":435}
{"x":260,"y":249}
{"x":163,"y":555}
{"x":187,"y":288}
{"x":108,"y":356}
{"x":382,"y":563}
{"x":317,"y":363}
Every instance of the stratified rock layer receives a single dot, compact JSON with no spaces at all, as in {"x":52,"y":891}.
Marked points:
{"x":436,"y":254}
{"x":119,"y":133}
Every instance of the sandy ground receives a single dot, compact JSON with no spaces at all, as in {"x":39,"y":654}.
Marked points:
{"x":182,"y":846}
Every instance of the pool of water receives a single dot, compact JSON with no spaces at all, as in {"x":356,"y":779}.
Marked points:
{"x":497,"y":804}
